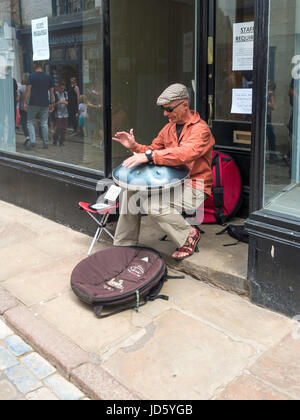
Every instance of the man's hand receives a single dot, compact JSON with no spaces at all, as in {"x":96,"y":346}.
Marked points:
{"x":134,"y":160}
{"x":25,"y":107}
{"x":126,"y":139}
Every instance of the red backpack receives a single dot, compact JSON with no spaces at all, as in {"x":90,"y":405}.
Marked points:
{"x":226,"y":198}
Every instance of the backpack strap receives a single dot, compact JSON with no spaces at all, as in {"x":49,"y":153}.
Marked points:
{"x":218,"y":190}
{"x":151,"y":296}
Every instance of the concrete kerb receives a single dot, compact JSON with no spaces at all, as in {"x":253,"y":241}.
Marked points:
{"x":68,"y":358}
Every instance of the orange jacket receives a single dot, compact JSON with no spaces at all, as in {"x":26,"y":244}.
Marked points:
{"x":194,"y":149}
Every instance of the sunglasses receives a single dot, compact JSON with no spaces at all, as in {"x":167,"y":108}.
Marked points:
{"x":171,"y":109}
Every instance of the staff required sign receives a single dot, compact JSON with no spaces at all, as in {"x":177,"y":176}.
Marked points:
{"x":40,"y":39}
{"x":243,"y":46}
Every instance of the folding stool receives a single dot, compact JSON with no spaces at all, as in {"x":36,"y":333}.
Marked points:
{"x":101,"y":223}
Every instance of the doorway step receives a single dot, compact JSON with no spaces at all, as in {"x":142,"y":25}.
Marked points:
{"x":223,"y":266}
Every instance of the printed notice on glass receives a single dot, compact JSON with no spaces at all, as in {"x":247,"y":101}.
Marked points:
{"x":241,"y":101}
{"x":40,"y":39}
{"x":243,"y":46}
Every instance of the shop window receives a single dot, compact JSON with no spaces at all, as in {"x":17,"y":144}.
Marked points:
{"x":152,"y":46}
{"x":282,"y":157}
{"x":81,"y":134}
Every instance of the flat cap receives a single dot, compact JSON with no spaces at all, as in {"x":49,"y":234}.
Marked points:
{"x":173,"y":93}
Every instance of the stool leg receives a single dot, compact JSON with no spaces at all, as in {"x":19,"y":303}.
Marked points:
{"x":109,"y":234}
{"x":94,"y":241}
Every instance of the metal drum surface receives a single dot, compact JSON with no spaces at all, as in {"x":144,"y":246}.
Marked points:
{"x":148,"y":176}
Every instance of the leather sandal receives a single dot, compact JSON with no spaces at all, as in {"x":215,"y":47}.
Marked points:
{"x":189,"y":248}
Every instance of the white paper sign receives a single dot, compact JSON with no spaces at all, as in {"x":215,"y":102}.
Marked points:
{"x":241,"y":101}
{"x":243,"y":46}
{"x":113,"y":193}
{"x":40,"y":39}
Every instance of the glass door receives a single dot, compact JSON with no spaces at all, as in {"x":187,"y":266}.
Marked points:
{"x":230,"y":79}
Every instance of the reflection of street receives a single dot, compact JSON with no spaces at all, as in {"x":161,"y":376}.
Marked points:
{"x":76,"y":151}
{"x":277,"y":178}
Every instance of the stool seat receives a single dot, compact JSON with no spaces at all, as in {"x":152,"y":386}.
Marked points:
{"x":88,"y":208}
{"x":102,"y":222}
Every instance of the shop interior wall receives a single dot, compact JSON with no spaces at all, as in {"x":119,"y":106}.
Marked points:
{"x":152,"y":46}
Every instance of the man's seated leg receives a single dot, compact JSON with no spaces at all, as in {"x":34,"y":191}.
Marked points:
{"x":161,"y":209}
{"x":167,"y":213}
{"x":128,"y":227}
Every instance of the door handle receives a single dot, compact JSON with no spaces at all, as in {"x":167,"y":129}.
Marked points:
{"x":211,"y":109}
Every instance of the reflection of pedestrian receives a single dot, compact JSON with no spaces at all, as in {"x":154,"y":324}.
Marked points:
{"x":290,"y":126}
{"x":8,"y":98}
{"x":95,"y":115}
{"x":38,"y":86}
{"x":82,"y":114}
{"x":61,"y":114}
{"x":73,"y":94}
{"x":23,"y":113}
{"x":270,"y":129}
{"x":8,"y":74}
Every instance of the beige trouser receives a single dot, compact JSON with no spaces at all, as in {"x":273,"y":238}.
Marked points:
{"x":165,"y":210}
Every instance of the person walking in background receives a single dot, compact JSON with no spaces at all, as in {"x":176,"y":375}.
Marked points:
{"x":38,"y":85}
{"x":95,"y":113}
{"x":23,"y":113}
{"x":74,"y":95}
{"x":61,"y":114}
{"x":82,"y":114}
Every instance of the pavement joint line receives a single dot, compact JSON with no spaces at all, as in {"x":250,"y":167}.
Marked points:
{"x":259,"y":348}
{"x":271,"y":385}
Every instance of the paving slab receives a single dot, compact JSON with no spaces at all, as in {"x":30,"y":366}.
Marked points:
{"x":20,"y":258}
{"x":15,"y":232}
{"x":181,"y":359}
{"x":90,"y":333}
{"x":248,"y":387}
{"x":44,"y":282}
{"x":227,"y":312}
{"x":280,"y":366}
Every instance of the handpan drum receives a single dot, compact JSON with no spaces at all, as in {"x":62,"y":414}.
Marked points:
{"x":148,"y":176}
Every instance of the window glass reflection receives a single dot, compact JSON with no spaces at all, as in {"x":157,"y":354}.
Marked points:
{"x":74,"y":129}
{"x":152,"y":46}
{"x":282,"y":173}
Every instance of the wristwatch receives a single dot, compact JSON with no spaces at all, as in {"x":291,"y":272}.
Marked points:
{"x":149,"y":154}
